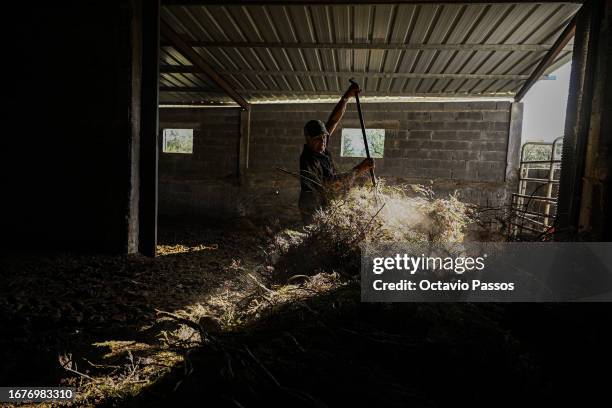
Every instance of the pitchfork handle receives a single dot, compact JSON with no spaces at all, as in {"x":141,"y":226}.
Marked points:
{"x":363,"y":130}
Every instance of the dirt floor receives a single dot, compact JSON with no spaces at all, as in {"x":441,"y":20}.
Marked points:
{"x":205,"y":322}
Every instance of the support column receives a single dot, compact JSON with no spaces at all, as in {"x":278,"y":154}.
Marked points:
{"x":135,"y":126}
{"x":577,"y":121}
{"x":594,"y":217}
{"x":514,"y":142}
{"x":243,"y":149}
{"x":513,"y":151}
{"x":149,"y":128}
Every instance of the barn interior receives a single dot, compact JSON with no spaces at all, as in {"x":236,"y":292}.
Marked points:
{"x":154,"y":253}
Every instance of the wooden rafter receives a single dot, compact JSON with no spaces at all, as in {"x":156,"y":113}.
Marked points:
{"x":548,"y":59}
{"x":325,"y":93}
{"x":181,"y":69}
{"x":188,"y":52}
{"x":372,"y":46}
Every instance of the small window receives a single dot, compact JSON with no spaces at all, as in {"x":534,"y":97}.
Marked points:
{"x":178,"y":141}
{"x":352,"y":143}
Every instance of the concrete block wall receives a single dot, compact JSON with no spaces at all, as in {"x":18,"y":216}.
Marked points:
{"x":459,"y":146}
{"x":203,"y":183}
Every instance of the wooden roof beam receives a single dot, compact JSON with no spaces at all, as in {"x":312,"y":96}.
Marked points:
{"x":372,"y":46}
{"x":291,"y":93}
{"x":188,"y":52}
{"x":181,"y":69}
{"x":548,"y":59}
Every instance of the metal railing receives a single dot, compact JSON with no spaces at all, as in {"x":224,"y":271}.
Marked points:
{"x":534,"y":206}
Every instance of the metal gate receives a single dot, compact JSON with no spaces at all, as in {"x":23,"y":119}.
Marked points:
{"x":534,"y":206}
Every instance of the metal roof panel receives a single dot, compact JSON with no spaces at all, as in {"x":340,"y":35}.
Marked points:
{"x":280,"y":51}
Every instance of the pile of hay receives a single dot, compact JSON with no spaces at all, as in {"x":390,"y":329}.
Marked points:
{"x":362,"y":215}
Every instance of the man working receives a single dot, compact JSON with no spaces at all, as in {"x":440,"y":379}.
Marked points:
{"x":319,"y":179}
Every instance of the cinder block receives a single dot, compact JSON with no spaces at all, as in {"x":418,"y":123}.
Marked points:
{"x":493,"y":156}
{"x":455,"y":106}
{"x":440,"y":154}
{"x":457,"y":165}
{"x":392,"y":153}
{"x":434,"y":125}
{"x":443,"y":116}
{"x":412,"y":125}
{"x":430,"y":163}
{"x":482,"y":105}
{"x":264,"y":123}
{"x":465,"y":155}
{"x":457,"y":145}
{"x":489,"y":146}
{"x":412,"y":153}
{"x":402,"y":164}
{"x":420,"y":134}
{"x":469,"y":116}
{"x":484,"y":165}
{"x":434,"y":144}
{"x":504,"y":106}
{"x":487,"y":175}
{"x":457,"y":125}
{"x":469,"y":135}
{"x":499,"y":136}
{"x":464,"y":174}
{"x":444,"y":135}
{"x":450,"y":164}
{"x":435,"y":173}
{"x":278,"y":131}
{"x":456,"y":135}
{"x":478,"y":125}
{"x":496,"y":116}
{"x":430,"y":106}
{"x":501,"y":126}
{"x":419,"y":116}
{"x":411,"y":144}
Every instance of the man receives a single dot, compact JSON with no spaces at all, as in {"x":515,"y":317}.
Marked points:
{"x":319,"y":179}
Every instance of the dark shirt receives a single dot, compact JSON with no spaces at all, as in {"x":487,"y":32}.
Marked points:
{"x":316,"y":169}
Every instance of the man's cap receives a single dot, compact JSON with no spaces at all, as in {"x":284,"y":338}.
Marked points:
{"x":314,"y":128}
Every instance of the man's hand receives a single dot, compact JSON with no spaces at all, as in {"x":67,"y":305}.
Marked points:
{"x":340,"y":108}
{"x":365,"y":165}
{"x":352,"y":91}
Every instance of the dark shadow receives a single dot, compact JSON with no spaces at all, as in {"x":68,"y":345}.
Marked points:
{"x":333,"y":350}
{"x":57,"y":303}
{"x":329,"y":350}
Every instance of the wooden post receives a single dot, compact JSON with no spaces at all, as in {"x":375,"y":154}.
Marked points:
{"x":514,"y":142}
{"x":196,"y":59}
{"x":149,"y":129}
{"x":548,"y":59}
{"x":577,"y":119}
{"x":243,"y":147}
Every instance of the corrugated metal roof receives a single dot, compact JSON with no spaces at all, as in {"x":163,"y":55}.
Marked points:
{"x":295,"y":52}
